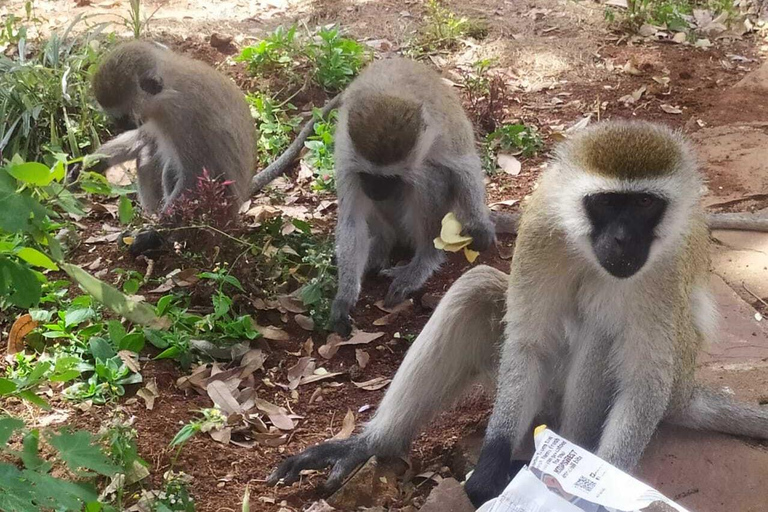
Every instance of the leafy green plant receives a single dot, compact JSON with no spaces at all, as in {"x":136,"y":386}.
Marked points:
{"x":175,"y":496}
{"x":211,"y":419}
{"x":331,"y":59}
{"x":443,"y":29}
{"x":27,"y":485}
{"x":337,"y":59}
{"x":26,"y":372}
{"x":514,"y":138}
{"x":135,"y":20}
{"x":44,"y":99}
{"x":486,"y":95}
{"x":274,"y":123}
{"x":317,"y":294}
{"x":320,"y":146}
{"x":220,"y":327}
{"x":278,"y":50}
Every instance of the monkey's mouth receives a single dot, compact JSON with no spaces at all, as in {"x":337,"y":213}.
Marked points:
{"x":619,"y":262}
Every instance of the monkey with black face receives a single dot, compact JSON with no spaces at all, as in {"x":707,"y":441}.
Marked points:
{"x":595,"y":331}
{"x":405,"y":156}
{"x":184,"y":117}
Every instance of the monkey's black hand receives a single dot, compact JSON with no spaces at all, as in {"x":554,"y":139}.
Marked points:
{"x":345,"y":456}
{"x":483,"y":236}
{"x":73,"y":172}
{"x":341,"y":323}
{"x":492,"y":474}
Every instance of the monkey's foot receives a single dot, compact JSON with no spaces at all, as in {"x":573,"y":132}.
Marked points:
{"x":482,"y":237}
{"x":488,"y":482}
{"x":344,"y":457}
{"x":340,"y":321}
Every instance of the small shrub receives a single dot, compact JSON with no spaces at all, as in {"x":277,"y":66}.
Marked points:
{"x":275,"y":125}
{"x":486,"y":95}
{"x":278,"y":50}
{"x":337,"y":59}
{"x":320,"y":156}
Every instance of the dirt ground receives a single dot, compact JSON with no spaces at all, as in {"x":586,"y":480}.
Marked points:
{"x":562,"y":62}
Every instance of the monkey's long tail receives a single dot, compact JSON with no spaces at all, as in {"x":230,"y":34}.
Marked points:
{"x":458,"y":346}
{"x":719,"y":412}
{"x":284,"y":161}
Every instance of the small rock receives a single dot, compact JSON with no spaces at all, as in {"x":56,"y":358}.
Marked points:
{"x":448,"y":496}
{"x":221,"y":42}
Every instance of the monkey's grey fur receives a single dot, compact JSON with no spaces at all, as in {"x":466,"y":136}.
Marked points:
{"x":187,"y":117}
{"x":405,"y":156}
{"x":601,"y":359}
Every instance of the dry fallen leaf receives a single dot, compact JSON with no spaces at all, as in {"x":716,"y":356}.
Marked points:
{"x":131,"y":360}
{"x":148,"y":393}
{"x":334,"y":341}
{"x":219,"y":392}
{"x":347,"y":426}
{"x":507,"y":202}
{"x":272,"y":333}
{"x":305,"y":322}
{"x":373,"y":384}
{"x":21,"y":327}
{"x":277,"y":415}
{"x":309,"y":346}
{"x":509,"y":164}
{"x":669,"y":109}
{"x":303,"y":368}
{"x":362,"y":357}
{"x":223,"y":435}
{"x":292,"y":304}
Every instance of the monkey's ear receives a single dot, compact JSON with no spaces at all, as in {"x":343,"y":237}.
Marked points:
{"x":151,"y":84}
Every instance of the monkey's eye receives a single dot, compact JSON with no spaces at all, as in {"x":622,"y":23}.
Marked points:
{"x":644,"y":201}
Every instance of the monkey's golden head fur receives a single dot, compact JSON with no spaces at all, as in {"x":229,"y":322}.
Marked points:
{"x":627,"y":150}
{"x":115,"y":82}
{"x":383,"y":128}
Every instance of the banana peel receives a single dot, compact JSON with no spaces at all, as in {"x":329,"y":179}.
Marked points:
{"x":452,"y":240}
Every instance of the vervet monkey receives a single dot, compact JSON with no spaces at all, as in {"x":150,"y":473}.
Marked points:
{"x":604,"y":312}
{"x":185,"y":117}
{"x":405,"y":157}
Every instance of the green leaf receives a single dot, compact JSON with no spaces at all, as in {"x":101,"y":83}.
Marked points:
{"x":133,"y":342}
{"x":20,"y":283}
{"x":78,"y":451}
{"x":101,"y":349}
{"x":186,"y":432}
{"x":156,"y":338}
{"x":135,"y":311}
{"x":29,"y":452}
{"x":125,"y":210}
{"x":78,"y":316}
{"x":55,"y":494}
{"x":131,"y":286}
{"x":30,"y":396}
{"x":32,"y":172}
{"x":8,"y":426}
{"x":7,"y":386}
{"x":169,"y":353}
{"x":116,"y":331}
{"x":36,"y":258}
{"x":163,"y":303}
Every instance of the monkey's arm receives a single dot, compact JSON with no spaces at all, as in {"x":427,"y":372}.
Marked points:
{"x":507,"y":222}
{"x":470,"y":205}
{"x":284,"y":161}
{"x":457,"y":346}
{"x":122,"y":148}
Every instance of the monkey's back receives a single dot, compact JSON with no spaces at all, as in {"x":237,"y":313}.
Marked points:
{"x":403,"y":81}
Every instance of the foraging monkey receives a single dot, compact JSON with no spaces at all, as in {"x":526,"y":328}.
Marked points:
{"x":604,"y":312}
{"x":184,"y":117}
{"x":405,"y":156}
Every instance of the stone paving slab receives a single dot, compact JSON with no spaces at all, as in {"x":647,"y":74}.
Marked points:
{"x":707,"y":472}
{"x":741,"y":258}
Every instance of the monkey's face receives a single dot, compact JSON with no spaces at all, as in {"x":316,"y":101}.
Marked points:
{"x":623,"y":229}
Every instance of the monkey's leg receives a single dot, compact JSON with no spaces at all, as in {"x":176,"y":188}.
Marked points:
{"x":149,"y":172}
{"x":457,"y":346}
{"x":718,"y":412}
{"x":521,"y":390}
{"x":645,"y":370}
{"x":353,"y":246}
{"x":411,"y":277}
{"x":588,"y":388}
{"x":383,"y":240}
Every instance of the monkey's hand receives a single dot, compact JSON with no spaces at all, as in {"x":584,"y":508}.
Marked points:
{"x":345,"y":456}
{"x":340,"y":321}
{"x":483,"y":235}
{"x":490,"y":477}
